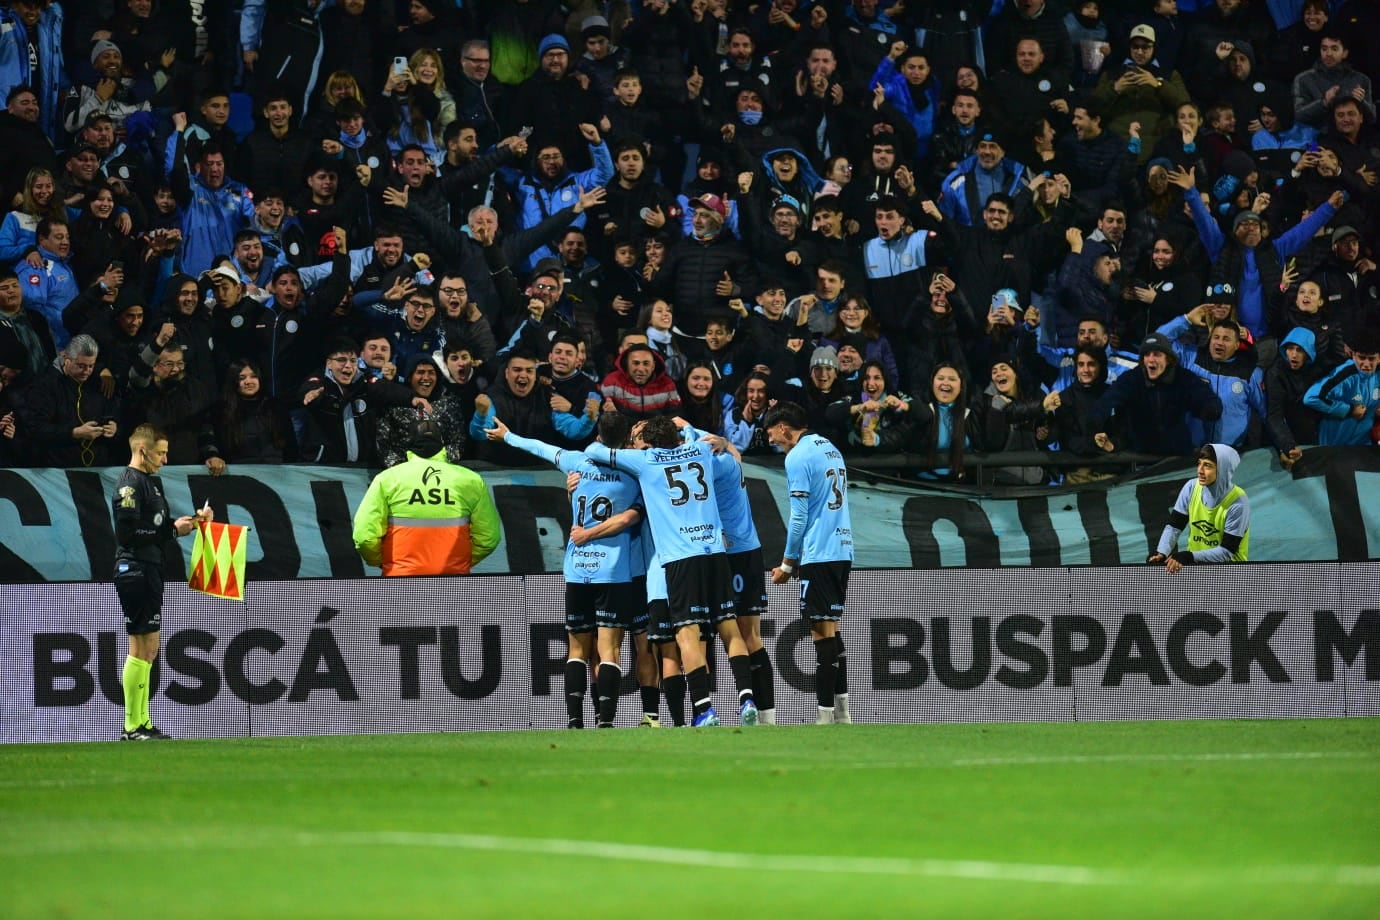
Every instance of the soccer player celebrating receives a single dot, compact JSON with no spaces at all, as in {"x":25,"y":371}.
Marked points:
{"x":142,"y":526}
{"x":745,"y":561}
{"x":819,"y":547}
{"x":602,"y":558}
{"x":677,"y":483}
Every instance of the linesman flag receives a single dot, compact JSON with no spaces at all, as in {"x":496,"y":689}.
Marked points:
{"x":218,"y":560}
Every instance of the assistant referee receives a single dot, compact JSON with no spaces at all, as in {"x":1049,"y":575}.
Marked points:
{"x":142,"y":526}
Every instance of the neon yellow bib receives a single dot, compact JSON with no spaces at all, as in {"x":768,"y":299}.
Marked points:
{"x":1205,"y":525}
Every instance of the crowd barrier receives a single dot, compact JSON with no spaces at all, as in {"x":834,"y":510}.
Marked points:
{"x":307,"y":657}
{"x":55,"y":524}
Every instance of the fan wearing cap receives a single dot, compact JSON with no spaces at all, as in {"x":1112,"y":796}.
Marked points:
{"x":1020,"y":413}
{"x":113,"y":93}
{"x":121,"y":164}
{"x":1155,"y":402}
{"x":1142,"y":91}
{"x":1349,"y":396}
{"x":235,"y":317}
{"x":1348,"y":281}
{"x":988,"y":171}
{"x":706,"y":271}
{"x":1215,"y":513}
{"x":426,"y":516}
{"x":710,"y":180}
{"x":81,"y":173}
{"x":1245,"y":260}
{"x":780,"y":240}
{"x":1230,"y":370}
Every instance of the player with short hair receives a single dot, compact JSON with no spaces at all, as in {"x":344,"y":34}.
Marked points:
{"x":677,"y":483}
{"x":660,"y":634}
{"x":819,"y":540}
{"x":749,"y":572}
{"x":142,"y":525}
{"x":602,"y":560}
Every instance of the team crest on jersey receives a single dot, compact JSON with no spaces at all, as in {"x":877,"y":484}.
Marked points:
{"x":1238,"y":387}
{"x":126,"y":496}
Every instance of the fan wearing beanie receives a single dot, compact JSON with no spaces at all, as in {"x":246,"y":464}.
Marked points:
{"x":555,"y":101}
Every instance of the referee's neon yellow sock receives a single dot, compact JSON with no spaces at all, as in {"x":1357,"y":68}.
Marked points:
{"x":145,"y":685}
{"x":135,"y":681}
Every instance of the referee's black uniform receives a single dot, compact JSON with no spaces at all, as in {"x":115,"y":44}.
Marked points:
{"x":142,"y":526}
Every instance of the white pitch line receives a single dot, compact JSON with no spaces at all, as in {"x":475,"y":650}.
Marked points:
{"x":259,"y":839}
{"x":713,"y":859}
{"x":1157,"y":758}
{"x":742,"y":763}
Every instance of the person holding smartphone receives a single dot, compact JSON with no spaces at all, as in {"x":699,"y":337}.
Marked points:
{"x":65,"y":415}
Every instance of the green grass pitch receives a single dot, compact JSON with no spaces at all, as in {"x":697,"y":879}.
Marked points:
{"x":1133,"y":819}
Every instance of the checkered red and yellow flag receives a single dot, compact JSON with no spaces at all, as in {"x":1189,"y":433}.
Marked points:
{"x":218,"y":556}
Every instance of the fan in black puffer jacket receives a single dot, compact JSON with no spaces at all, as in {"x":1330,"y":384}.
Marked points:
{"x":697,"y":265}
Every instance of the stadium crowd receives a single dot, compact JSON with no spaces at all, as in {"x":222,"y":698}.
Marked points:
{"x":279,"y":231}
